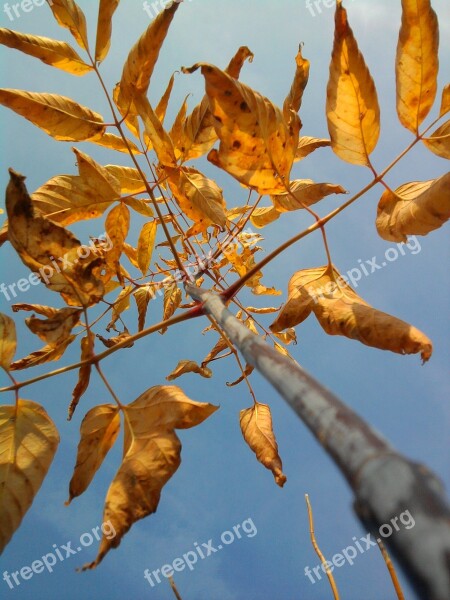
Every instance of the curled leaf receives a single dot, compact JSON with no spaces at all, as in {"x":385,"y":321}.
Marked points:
{"x":69,"y":15}
{"x":84,"y":374}
{"x":414,"y":208}
{"x":106,"y":11}
{"x":439,"y":141}
{"x":304,"y":192}
{"x":189,"y":366}
{"x":340,"y":311}
{"x":28,"y":442}
{"x":256,"y":427}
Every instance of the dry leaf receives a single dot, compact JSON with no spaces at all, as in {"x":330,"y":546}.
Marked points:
{"x":414,"y":208}
{"x":8,"y":341}
{"x":52,"y":252}
{"x":98,"y":432}
{"x":247,"y":372}
{"x":307,"y":145}
{"x":146,"y":244}
{"x":51,"y":52}
{"x":189,"y":366}
{"x":69,"y":15}
{"x":151,"y":456}
{"x":172,"y":301}
{"x":84,"y":374}
{"x":143,"y":296}
{"x":340,"y":311}
{"x":417,"y":63}
{"x":139,"y":66}
{"x":260,"y":217}
{"x":256,"y":427}
{"x":44,"y":355}
{"x":117,"y":225}
{"x":160,"y":139}
{"x":353,"y":113}
{"x":106,"y":11}
{"x":294,"y":98}
{"x":59,"y":116}
{"x":161,"y":108}
{"x":304,"y":192}
{"x":257,"y":144}
{"x":445,"y":101}
{"x":116,"y":142}
{"x":439,"y":141}
{"x":129,"y":179}
{"x":28,"y":442}
{"x":55,"y":329}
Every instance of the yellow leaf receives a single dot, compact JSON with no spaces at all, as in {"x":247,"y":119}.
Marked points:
{"x":262,"y":311}
{"x":353,"y":113}
{"x":161,"y":108}
{"x":140,"y":64}
{"x":307,"y":145}
{"x":220,"y":346}
{"x":106,"y":10}
{"x":129,"y":179}
{"x":304,"y":192}
{"x":247,"y":372}
{"x":151,"y":456}
{"x":98,"y":432}
{"x":445,"y":101}
{"x":256,"y":427}
{"x":417,"y":63}
{"x":84,"y":374}
{"x":200,"y":198}
{"x":28,"y":442}
{"x":340,"y":311}
{"x":51,"y":52}
{"x":44,"y":355}
{"x":257,"y":144}
{"x":69,"y":15}
{"x":142,"y":207}
{"x":59,"y":116}
{"x":198,"y":130}
{"x":189,"y":366}
{"x":172,"y":300}
{"x":120,"y":305}
{"x":115,"y":142}
{"x":161,"y":142}
{"x":146,"y":244}
{"x":287,"y":336}
{"x":143,"y":296}
{"x":117,"y":225}
{"x":414,"y":208}
{"x":260,"y":217}
{"x":55,"y":329}
{"x":294,"y":98}
{"x":52,"y":252}
{"x":8,"y":341}
{"x":176,"y":133}
{"x":439,"y":141}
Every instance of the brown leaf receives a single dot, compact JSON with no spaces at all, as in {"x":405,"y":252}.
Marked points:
{"x":45,"y":311}
{"x":340,"y":311}
{"x":51,"y":52}
{"x":52,"y":252}
{"x":304,"y":192}
{"x":44,"y":355}
{"x":59,"y":116}
{"x":172,"y":301}
{"x":256,"y":427}
{"x":247,"y":372}
{"x":257,"y":144}
{"x":151,"y":456}
{"x":294,"y":98}
{"x":414,"y":208}
{"x":117,"y":225}
{"x":55,"y":329}
{"x":189,"y":366}
{"x":28,"y":442}
{"x":106,"y":11}
{"x":84,"y":374}
{"x":417,"y":63}
{"x":98,"y":432}
{"x":69,"y":15}
{"x":8,"y":341}
{"x":118,"y":339}
{"x":353,"y":113}
{"x":143,"y":296}
{"x":439,"y":141}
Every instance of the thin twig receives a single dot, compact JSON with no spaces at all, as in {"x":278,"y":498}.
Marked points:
{"x":391,"y":569}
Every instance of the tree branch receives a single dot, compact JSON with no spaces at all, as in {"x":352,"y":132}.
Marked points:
{"x":384,"y":482}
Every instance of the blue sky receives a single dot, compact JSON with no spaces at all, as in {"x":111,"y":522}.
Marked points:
{"x":219,"y":483}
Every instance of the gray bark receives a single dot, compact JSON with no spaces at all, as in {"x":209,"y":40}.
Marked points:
{"x":385,"y":483}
